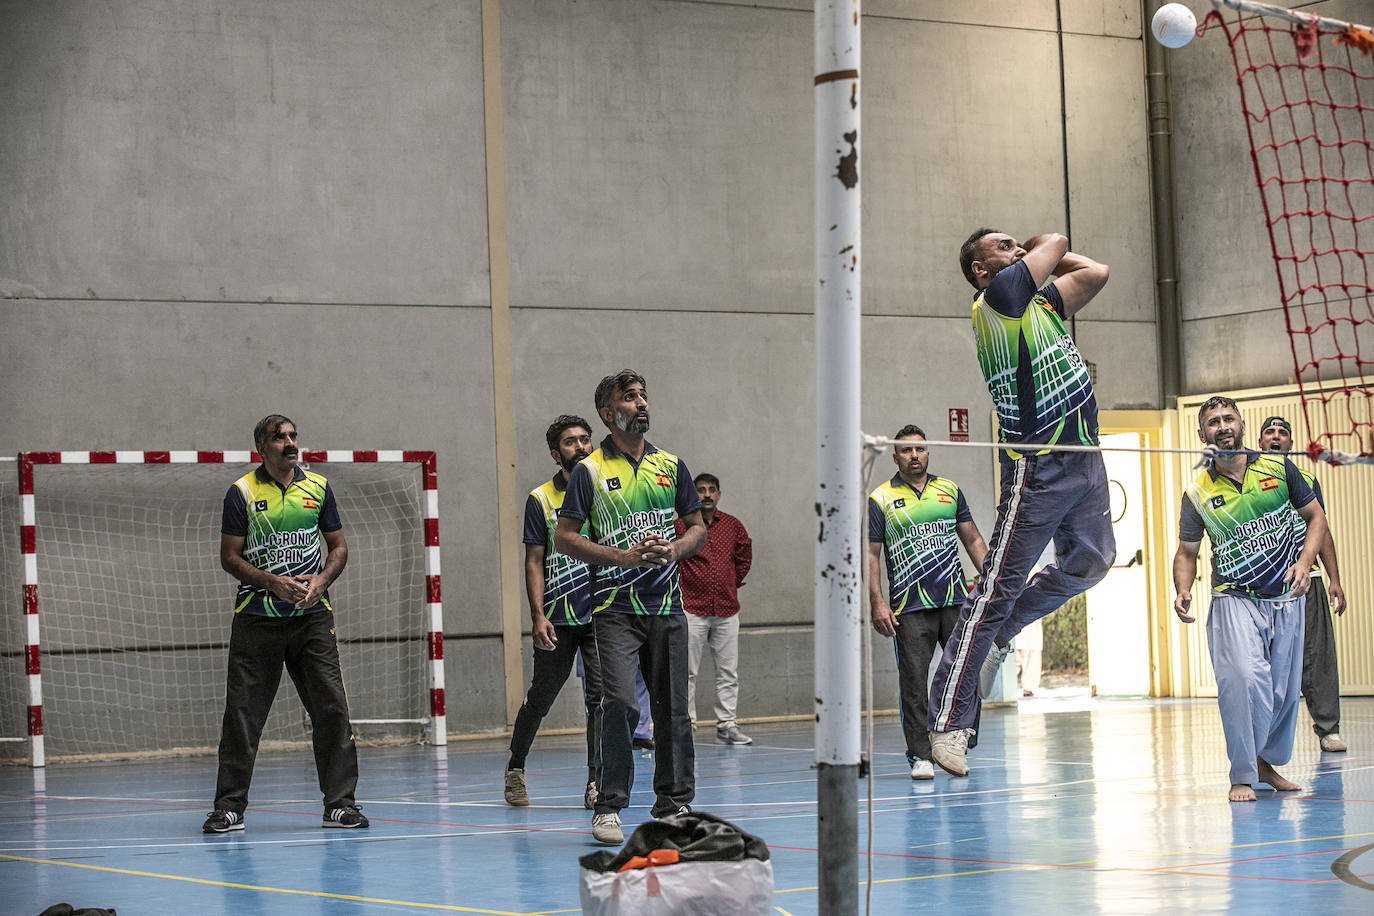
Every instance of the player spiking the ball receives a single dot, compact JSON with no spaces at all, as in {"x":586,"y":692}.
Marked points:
{"x":1043,"y":395}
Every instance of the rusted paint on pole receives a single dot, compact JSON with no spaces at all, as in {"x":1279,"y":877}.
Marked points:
{"x":839,"y":500}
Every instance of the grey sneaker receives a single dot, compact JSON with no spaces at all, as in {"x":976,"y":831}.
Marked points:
{"x":922,"y":769}
{"x":515,"y":788}
{"x":991,"y":665}
{"x":347,"y":816}
{"x":222,"y":822}
{"x":948,"y":749}
{"x":606,"y":828}
{"x":730,"y":734}
{"x":1333,"y":744}
{"x":589,"y":796}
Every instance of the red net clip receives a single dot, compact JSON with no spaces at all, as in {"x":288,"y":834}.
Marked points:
{"x":1305,"y":39}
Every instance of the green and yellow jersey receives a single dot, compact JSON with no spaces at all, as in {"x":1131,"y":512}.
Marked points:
{"x":918,"y":531}
{"x":567,"y":594}
{"x":623,"y":501}
{"x":1039,"y":383}
{"x":1252,"y":526}
{"x":281,"y":528}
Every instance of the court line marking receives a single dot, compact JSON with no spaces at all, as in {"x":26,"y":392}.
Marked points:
{"x":453,"y":908}
{"x":1342,"y":870}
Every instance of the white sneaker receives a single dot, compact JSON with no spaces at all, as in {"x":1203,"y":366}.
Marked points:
{"x":987,"y":674}
{"x":922,"y":769}
{"x":1333,"y":744}
{"x":948,"y":750}
{"x":730,"y":734}
{"x":606,"y":828}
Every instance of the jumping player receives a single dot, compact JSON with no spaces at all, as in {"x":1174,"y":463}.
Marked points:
{"x":1043,"y":395}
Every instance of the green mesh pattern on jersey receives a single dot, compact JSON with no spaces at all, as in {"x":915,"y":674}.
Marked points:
{"x":1059,"y":377}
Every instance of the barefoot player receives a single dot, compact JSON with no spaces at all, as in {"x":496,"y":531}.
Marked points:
{"x":1249,"y":504}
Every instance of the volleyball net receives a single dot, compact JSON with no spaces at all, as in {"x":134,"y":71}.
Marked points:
{"x":1307,"y":94}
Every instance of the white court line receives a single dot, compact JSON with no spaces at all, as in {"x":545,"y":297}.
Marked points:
{"x":237,"y":842}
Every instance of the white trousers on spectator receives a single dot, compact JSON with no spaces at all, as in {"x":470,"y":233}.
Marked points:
{"x":722,"y":635}
{"x":1256,"y":649}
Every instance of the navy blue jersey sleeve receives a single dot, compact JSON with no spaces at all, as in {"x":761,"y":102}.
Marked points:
{"x":234,"y":521}
{"x":577,"y":501}
{"x":536,"y":526}
{"x":962,"y":513}
{"x":329,"y":512}
{"x":1299,"y":493}
{"x":876,"y":526}
{"x":1011,"y":290}
{"x":687,"y":499}
{"x":1190,"y":527}
{"x":1051,"y":294}
{"x":1317,"y":490}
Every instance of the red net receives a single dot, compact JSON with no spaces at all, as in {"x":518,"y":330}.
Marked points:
{"x":1308,"y":98}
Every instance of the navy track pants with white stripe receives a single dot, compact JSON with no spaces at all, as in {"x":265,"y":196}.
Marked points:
{"x":1060,"y":497}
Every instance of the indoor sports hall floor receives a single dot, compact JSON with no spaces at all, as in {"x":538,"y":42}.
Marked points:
{"x":1073,"y":806}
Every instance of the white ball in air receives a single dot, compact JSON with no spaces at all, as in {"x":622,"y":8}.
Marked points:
{"x":1173,"y":25}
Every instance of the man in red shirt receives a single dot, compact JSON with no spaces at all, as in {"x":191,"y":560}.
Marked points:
{"x":710,"y":596}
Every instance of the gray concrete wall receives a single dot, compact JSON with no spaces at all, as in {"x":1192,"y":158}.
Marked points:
{"x":216,"y":209}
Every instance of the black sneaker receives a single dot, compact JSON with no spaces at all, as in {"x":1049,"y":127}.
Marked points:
{"x":347,"y":816}
{"x":222,"y":822}
{"x":642,"y":744}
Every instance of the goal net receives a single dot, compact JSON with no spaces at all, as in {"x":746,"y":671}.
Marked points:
{"x":1307,"y":93}
{"x":121,"y":562}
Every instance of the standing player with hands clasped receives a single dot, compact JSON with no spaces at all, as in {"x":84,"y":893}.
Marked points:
{"x":276,"y":519}
{"x":626,"y":493}
{"x":1249,"y":504}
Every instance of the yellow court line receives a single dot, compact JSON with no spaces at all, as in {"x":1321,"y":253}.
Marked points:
{"x":1299,"y":839}
{"x":1090,"y":864}
{"x":256,"y":887}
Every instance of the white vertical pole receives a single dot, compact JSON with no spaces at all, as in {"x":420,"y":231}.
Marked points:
{"x":839,"y":502}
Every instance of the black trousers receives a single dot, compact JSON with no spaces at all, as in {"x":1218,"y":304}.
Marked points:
{"x":551,"y":670}
{"x":919,"y":632}
{"x":259,"y":647}
{"x":1321,"y":679}
{"x":657,"y":645}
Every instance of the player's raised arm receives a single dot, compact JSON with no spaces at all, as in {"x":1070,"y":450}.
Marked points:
{"x":1078,"y":279}
{"x":1043,"y":254}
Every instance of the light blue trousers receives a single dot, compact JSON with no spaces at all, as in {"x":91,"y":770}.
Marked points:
{"x":1256,"y":649}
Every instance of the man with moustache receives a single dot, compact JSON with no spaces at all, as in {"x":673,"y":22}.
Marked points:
{"x":1249,"y":504}
{"x":560,"y":614}
{"x":626,"y":493}
{"x":1321,"y":682}
{"x":274,"y":521}
{"x":918,"y":520}
{"x":711,"y":581}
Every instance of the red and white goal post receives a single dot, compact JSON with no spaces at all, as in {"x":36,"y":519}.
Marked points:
{"x":120,"y":553}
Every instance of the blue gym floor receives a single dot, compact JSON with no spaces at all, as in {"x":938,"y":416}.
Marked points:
{"x":1073,"y":806}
